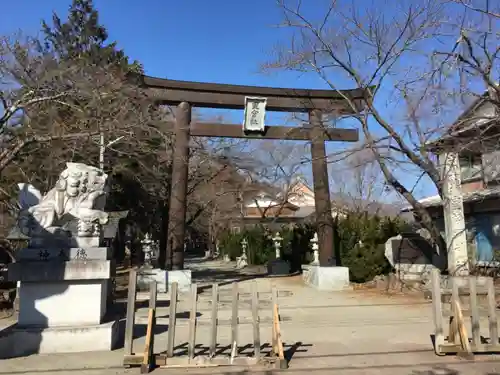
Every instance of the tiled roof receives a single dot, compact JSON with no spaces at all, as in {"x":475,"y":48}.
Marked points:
{"x":471,"y":196}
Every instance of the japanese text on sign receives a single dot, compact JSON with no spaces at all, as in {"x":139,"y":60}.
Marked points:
{"x":255,"y":112}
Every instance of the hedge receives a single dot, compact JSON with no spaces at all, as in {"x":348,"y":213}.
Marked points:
{"x":359,"y":240}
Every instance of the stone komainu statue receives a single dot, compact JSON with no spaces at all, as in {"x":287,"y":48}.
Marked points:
{"x":79,"y":194}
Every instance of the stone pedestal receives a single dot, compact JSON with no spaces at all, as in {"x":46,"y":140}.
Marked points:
{"x":326,"y":278}
{"x":241,"y":262}
{"x":278,"y":267}
{"x":63,"y":296}
{"x":181,"y":277}
{"x":145,"y":275}
{"x":164,"y":279}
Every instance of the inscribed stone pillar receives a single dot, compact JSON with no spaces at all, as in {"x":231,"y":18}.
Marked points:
{"x":453,"y":210}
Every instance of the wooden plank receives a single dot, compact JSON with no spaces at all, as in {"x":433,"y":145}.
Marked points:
{"x":492,"y":315}
{"x":453,"y":329}
{"x":282,"y":362}
{"x":148,"y":357}
{"x":457,"y":307}
{"x":218,"y":88}
{"x":463,"y":292}
{"x":206,"y":361}
{"x":483,"y":348}
{"x":255,"y":317}
{"x":437,"y":310}
{"x":232,"y":101}
{"x":148,"y":347}
{"x":171,"y":320}
{"x":279,"y":343}
{"x":462,"y":331}
{"x":201,"y":129}
{"x":482,"y":312}
{"x":225,"y":296}
{"x":454,"y":297}
{"x":199,"y":361}
{"x":234,"y":317}
{"x":205,"y":321}
{"x":233,"y":96}
{"x":136,"y":359}
{"x":153,"y":294}
{"x":476,"y":333}
{"x":130,"y":317}
{"x":192,"y":322}
{"x":274,"y":336}
{"x":274,"y":293}
{"x":215,"y":303}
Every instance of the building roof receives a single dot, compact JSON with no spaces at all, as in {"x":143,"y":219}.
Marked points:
{"x":305,"y":211}
{"x":468,"y":197}
{"x":470,"y":120}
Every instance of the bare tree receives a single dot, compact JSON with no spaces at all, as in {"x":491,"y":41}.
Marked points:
{"x":358,"y":183}
{"x":419,"y":62}
{"x":490,"y":8}
{"x":53,"y":111}
{"x":48,"y":100}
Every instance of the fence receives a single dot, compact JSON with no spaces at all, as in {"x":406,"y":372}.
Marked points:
{"x":149,"y":358}
{"x":466,"y":300}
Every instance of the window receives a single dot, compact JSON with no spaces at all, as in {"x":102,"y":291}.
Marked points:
{"x":470,"y":168}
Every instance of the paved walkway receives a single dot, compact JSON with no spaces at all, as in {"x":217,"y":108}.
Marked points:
{"x":351,"y":332}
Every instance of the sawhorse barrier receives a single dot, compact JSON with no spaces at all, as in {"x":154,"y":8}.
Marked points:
{"x":149,"y":359}
{"x":476,"y":302}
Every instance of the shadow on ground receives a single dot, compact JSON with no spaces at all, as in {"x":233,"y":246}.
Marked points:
{"x":222,"y":277}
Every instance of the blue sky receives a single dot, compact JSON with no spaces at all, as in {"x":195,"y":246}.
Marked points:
{"x":213,"y":41}
{"x":198,"y":40}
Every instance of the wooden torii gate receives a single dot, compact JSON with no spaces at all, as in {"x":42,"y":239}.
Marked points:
{"x":186,"y":94}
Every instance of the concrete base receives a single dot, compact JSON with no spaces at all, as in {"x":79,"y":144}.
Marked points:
{"x":278,"y":267}
{"x":146,"y":275}
{"x":63,"y":303}
{"x":181,"y":277}
{"x":16,"y":341}
{"x":326,"y":278}
{"x":413,"y":272}
{"x":241,"y":262}
{"x":164,"y":279}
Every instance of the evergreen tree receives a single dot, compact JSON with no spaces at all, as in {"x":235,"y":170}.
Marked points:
{"x":82,"y":38}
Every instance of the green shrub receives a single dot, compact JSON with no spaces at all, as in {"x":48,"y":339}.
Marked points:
{"x":295,"y":245}
{"x":260,"y":247}
{"x":359,"y":240}
{"x":362,"y":239}
{"x":230,"y":244}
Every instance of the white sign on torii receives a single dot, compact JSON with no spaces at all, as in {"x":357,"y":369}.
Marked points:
{"x":255,"y":113}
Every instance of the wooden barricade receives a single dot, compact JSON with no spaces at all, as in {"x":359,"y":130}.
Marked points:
{"x":149,"y":359}
{"x":475,"y":303}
